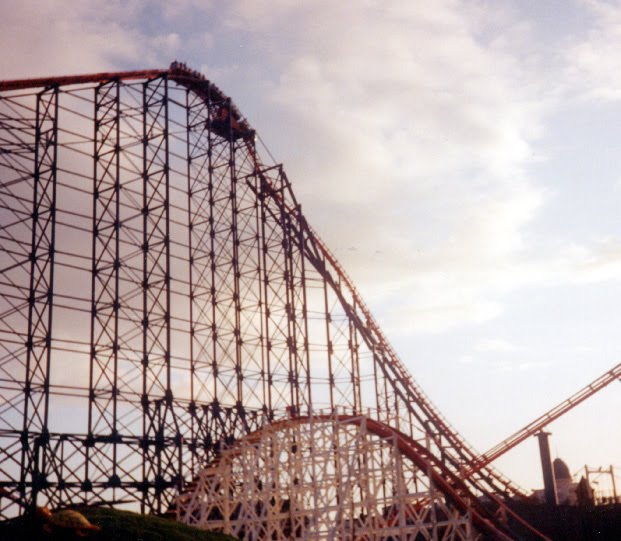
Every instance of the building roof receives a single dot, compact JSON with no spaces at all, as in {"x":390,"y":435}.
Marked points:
{"x":561,"y":470}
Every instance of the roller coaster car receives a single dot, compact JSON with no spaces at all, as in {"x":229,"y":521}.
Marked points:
{"x":226,"y":125}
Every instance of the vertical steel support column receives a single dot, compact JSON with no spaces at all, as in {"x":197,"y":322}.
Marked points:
{"x":161,"y":441}
{"x":248,"y":340}
{"x":549,"y":481}
{"x":35,"y":433}
{"x":260,"y":286}
{"x":376,"y":385}
{"x":304,"y":357}
{"x":194,"y":347}
{"x":235,"y":265}
{"x":210,"y":315}
{"x":282,"y":335}
{"x":354,"y":348}
{"x":338,"y":316}
{"x":201,"y":271}
{"x":295,"y":297}
{"x":265,"y":307}
{"x":223,"y":265}
{"x":291,"y":338}
{"x":330,"y":352}
{"x":103,"y":435}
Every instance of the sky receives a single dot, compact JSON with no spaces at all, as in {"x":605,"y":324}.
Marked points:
{"x":460,"y":158}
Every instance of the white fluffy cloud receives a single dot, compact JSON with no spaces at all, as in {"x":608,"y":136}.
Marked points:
{"x":593,"y":63}
{"x":61,"y":37}
{"x":410,"y":138}
{"x":415,"y":138}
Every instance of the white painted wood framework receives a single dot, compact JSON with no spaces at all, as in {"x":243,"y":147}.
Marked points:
{"x":320,"y":478}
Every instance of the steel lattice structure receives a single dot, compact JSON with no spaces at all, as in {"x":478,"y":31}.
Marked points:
{"x":162,"y":294}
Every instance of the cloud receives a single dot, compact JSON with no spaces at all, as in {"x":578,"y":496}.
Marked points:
{"x":414,"y":134}
{"x":410,"y":138}
{"x":493,"y":345}
{"x":501,"y":355}
{"x":598,"y":262}
{"x":61,"y":37}
{"x":593,"y":64}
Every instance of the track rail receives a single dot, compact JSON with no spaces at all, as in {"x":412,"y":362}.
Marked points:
{"x":535,"y":426}
{"x":46,"y":82}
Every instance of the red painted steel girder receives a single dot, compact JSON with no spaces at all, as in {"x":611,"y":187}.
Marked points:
{"x":177,"y":72}
{"x":44,"y":82}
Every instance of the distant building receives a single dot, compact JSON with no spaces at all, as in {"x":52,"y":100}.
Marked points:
{"x":565,"y":486}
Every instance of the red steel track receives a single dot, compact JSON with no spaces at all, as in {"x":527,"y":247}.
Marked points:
{"x":538,"y":424}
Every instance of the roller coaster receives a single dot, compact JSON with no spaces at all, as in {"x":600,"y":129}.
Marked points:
{"x":174,"y":335}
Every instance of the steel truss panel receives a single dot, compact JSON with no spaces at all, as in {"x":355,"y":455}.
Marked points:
{"x":37,"y":456}
{"x":103,"y":428}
